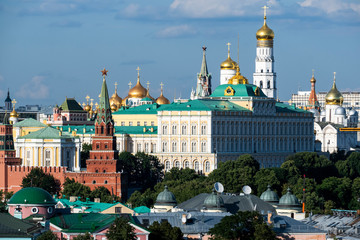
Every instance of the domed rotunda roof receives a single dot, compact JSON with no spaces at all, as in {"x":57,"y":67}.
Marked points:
{"x":289,"y":200}
{"x":269,"y":196}
{"x":166,"y":198}
{"x":214,"y":201}
{"x":33,"y":196}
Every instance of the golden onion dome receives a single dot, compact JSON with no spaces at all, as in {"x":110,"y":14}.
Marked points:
{"x":138,"y":91}
{"x":14,"y":113}
{"x":313,"y":80}
{"x":115,"y":99}
{"x":87,"y":108}
{"x":334,"y":97}
{"x":228,"y":64}
{"x":161,"y":99}
{"x":113,"y":107}
{"x":238,"y":78}
{"x":265,"y":33}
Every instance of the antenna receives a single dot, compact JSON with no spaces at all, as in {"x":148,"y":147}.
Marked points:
{"x":246,"y":189}
{"x":219,"y":187}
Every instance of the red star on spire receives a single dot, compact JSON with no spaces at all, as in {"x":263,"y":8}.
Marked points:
{"x":104,"y":72}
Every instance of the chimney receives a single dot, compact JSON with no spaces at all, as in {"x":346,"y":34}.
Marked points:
{"x":73,"y":198}
{"x":269,"y":215}
{"x":97,"y":200}
{"x":60,"y":133}
{"x":183,"y":218}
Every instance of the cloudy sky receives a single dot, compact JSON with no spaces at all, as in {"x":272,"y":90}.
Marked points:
{"x":50,"y":49}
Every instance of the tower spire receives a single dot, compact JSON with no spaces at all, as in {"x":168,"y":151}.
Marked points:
{"x":228,"y":44}
{"x":265,"y":7}
{"x":104,"y":113}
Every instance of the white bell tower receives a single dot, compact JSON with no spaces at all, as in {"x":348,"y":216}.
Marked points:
{"x":264,"y":76}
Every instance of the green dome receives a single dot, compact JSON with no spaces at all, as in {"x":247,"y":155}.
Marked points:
{"x":238,"y":90}
{"x":214,"y":201}
{"x":269,"y":196}
{"x":32,"y":195}
{"x":289,"y":200}
{"x":166,"y":198}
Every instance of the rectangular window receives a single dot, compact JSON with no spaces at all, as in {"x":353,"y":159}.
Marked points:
{"x":117,"y":209}
{"x":122,"y":123}
{"x":138,"y":123}
{"x":152,"y":123}
{"x":130,"y":123}
{"x":145,"y":123}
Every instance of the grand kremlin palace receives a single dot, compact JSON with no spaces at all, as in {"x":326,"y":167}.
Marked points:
{"x":214,"y":125}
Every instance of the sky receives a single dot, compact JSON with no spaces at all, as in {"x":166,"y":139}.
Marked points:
{"x":53,"y":49}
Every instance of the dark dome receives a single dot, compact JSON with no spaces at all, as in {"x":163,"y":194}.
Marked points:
{"x":269,"y":196}
{"x":166,"y":198}
{"x":32,"y":195}
{"x":213,"y":201}
{"x":289,"y":200}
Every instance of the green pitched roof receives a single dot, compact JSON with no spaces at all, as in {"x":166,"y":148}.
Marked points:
{"x":104,"y":113}
{"x":91,"y":207}
{"x":135,"y":130}
{"x":13,"y":228}
{"x":146,"y":99}
{"x":240,"y":90}
{"x":142,"y":109}
{"x":204,"y":105}
{"x":29,"y":122}
{"x":47,"y":133}
{"x":282,"y":107}
{"x":32,"y":195}
{"x":142,"y":209}
{"x":70,"y":104}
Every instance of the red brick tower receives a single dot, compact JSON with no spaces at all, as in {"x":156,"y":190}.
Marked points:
{"x":313,"y":101}
{"x":7,"y":152}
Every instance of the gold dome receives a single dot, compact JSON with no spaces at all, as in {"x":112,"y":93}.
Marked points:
{"x":161,"y":99}
{"x":138,"y":91}
{"x":14,"y":113}
{"x":334,"y":97}
{"x":238,"y":78}
{"x":113,"y":107}
{"x":228,"y":64}
{"x":265,"y":33}
{"x":313,"y":80}
{"x":87,"y":108}
{"x":115,"y":99}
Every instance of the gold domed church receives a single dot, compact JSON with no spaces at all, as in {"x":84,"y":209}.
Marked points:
{"x":217,"y":124}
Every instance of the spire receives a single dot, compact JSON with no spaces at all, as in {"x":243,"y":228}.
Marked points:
{"x":313,"y":101}
{"x":265,"y":7}
{"x":6,"y":118}
{"x":104,"y":113}
{"x":204,"y":69}
{"x":228,"y":44}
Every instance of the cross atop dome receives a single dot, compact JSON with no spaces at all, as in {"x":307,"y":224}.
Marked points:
{"x":228,"y":44}
{"x":265,"y":7}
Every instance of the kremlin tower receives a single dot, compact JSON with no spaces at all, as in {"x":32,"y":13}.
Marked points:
{"x":313,"y":101}
{"x":264,"y":76}
{"x":203,"y":86}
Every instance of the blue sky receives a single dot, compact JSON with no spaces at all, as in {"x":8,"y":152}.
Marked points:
{"x":50,"y":49}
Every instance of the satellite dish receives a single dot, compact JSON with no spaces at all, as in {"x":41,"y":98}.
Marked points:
{"x":188,"y":216}
{"x":246,"y":189}
{"x":219,"y":187}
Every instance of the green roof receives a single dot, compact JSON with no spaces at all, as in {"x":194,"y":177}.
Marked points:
{"x":91,"y":207}
{"x":240,"y":90}
{"x":142,"y":109}
{"x":135,"y":130}
{"x":282,"y":107}
{"x":32,"y":195}
{"x":166,"y":198}
{"x":83,"y":222}
{"x":29,"y":122}
{"x":79,"y":129}
{"x":47,"y":133}
{"x":142,"y":209}
{"x":146,"y":99}
{"x":70,"y":104}
{"x":12,"y":228}
{"x":269,"y":195}
{"x":289,"y":200}
{"x":204,"y":105}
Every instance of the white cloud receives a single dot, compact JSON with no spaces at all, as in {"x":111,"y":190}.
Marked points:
{"x":218,"y":8}
{"x":331,"y":6}
{"x":34,"y":89}
{"x":176,"y":31}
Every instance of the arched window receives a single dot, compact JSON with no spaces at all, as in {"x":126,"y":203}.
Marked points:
{"x":164,"y":130}
{"x":173,"y":147}
{"x":207,"y":166}
{"x":261,"y":84}
{"x":203,"y":129}
{"x":102,"y":129}
{"x":186,"y":164}
{"x":139,"y":147}
{"x":105,"y":182}
{"x":196,"y":166}
{"x":164,"y":147}
{"x":173,"y":130}
{"x":193,"y":129}
{"x":203,"y":147}
{"x":183,"y":129}
{"x":167,"y":165}
{"x":94,"y":182}
{"x":193,"y":147}
{"x":268,"y":84}
{"x":28,"y":158}
{"x":183,"y":146}
{"x":177,"y":164}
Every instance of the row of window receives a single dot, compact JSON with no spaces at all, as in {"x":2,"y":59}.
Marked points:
{"x":94,"y":182}
{"x":186,"y":164}
{"x":138,"y":123}
{"x":184,"y":147}
{"x":174,"y":129}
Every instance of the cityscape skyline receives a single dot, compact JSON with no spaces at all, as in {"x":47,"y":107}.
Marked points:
{"x":53,"y":49}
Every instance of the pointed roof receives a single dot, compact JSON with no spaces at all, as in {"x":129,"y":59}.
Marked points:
{"x":29,"y":122}
{"x":104,"y":113}
{"x":70,"y":104}
{"x":46,"y":133}
{"x":204,"y":70}
{"x":8,"y":99}
{"x":6,"y":119}
{"x":313,"y":101}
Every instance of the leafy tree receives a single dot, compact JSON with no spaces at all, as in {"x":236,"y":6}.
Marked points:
{"x":264,"y":177}
{"x":343,"y":168}
{"x":86,"y":236}
{"x":142,"y":199}
{"x":328,"y":206}
{"x":242,"y":225}
{"x":104,"y":194}
{"x":337,"y":156}
{"x":85,"y":154}
{"x":337,"y":190}
{"x":4,"y":198}
{"x":48,"y":235}
{"x":183,"y":175}
{"x":143,"y":170}
{"x":38,"y":178}
{"x":164,"y":231}
{"x":121,"y":230}
{"x":73,"y":188}
{"x":354,"y":164}
{"x":235,"y":174}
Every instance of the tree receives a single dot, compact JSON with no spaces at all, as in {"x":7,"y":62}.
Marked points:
{"x":164,"y":231}
{"x":103,"y":193}
{"x":48,"y":235}
{"x":354,"y":164}
{"x":4,"y":198}
{"x":337,"y":190}
{"x":264,"y":177}
{"x":184,"y":175}
{"x":235,"y":174}
{"x":121,"y":230}
{"x":86,"y":236}
{"x":38,"y":178}
{"x":242,"y":225}
{"x":73,"y":188}
{"x":85,"y":154}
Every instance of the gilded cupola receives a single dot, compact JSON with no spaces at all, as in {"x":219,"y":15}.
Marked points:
{"x":265,"y":33}
{"x":138,"y":91}
{"x":334,"y":97}
{"x":238,"y":78}
{"x":161,"y":99}
{"x":115,"y":100}
{"x":228,"y":64}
